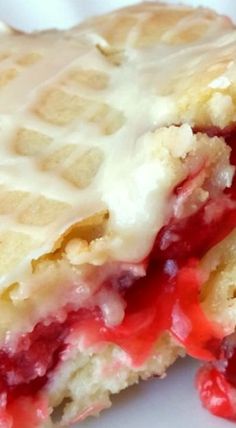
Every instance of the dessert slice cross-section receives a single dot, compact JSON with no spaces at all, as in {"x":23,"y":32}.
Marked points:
{"x":117,"y":210}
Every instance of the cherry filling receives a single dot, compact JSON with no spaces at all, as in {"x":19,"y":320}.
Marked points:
{"x":166,"y":299}
{"x":216,"y":382}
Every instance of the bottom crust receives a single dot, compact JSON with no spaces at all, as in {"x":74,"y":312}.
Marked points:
{"x":83,"y":385}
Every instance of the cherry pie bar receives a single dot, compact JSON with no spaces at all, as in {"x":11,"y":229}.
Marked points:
{"x":117,"y":210}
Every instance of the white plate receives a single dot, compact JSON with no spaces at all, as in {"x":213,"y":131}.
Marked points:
{"x":168,"y":403}
{"x":40,"y":14}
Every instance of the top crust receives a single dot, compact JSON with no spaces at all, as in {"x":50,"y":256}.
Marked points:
{"x":149,"y":23}
{"x":78,"y":112}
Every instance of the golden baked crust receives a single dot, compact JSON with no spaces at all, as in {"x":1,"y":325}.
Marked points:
{"x":97,"y":131}
{"x":148,"y":23}
{"x":63,"y":115}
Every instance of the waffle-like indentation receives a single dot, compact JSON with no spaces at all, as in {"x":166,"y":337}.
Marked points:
{"x":152,"y":29}
{"x":92,"y":79}
{"x":4,"y":55}
{"x":61,"y":108}
{"x":42,"y":211}
{"x":124,"y":24}
{"x":29,"y":59}
{"x":143,"y":30}
{"x":57,"y":158}
{"x":7,"y":75}
{"x":14,"y":246}
{"x":82,"y":171}
{"x":11,"y":200}
{"x":59,"y":86}
{"x":106,"y":117}
{"x":189,"y":34}
{"x":29,"y":142}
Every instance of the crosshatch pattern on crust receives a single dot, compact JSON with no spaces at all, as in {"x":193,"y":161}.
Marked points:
{"x":70,"y":111}
{"x":81,"y":112}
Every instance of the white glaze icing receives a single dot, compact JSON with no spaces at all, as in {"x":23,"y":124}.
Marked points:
{"x":132,"y":184}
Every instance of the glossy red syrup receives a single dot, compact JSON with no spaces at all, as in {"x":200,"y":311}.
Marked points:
{"x":167,"y":298}
{"x":216,"y":382}
{"x":216,"y":393}
{"x":24,"y":412}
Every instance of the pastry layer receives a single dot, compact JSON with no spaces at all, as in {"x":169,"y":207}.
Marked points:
{"x":75,"y":271}
{"x":76,"y":127}
{"x":114,"y":222}
{"x":129,"y":306}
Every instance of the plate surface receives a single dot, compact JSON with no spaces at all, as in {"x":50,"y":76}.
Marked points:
{"x":40,"y":14}
{"x":168,"y":403}
{"x":160,"y":403}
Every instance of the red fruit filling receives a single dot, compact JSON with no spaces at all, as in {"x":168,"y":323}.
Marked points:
{"x":216,"y":382}
{"x":166,"y":299}
{"x":25,"y":411}
{"x":215,"y":393}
